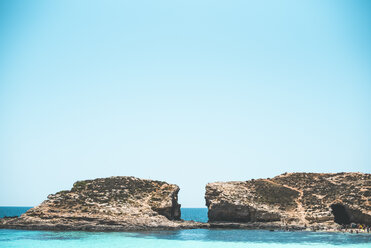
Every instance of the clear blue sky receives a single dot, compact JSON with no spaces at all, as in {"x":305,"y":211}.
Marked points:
{"x":189,"y":92}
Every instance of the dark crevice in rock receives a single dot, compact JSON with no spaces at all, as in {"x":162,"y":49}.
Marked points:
{"x":340,"y":214}
{"x":175,"y":209}
{"x":171,"y":212}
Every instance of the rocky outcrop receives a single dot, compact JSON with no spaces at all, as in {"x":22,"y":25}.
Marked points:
{"x":293,"y":201}
{"x":296,"y":200}
{"x":107,"y":204}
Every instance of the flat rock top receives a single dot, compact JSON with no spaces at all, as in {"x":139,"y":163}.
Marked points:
{"x":118,"y":197}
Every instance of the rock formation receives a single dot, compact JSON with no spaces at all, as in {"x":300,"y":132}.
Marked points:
{"x":107,"y":204}
{"x":293,"y":200}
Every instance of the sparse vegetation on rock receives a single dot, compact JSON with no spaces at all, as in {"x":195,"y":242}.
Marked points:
{"x":317,"y":200}
{"x":107,"y":204}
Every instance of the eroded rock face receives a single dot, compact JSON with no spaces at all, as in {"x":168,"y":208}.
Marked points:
{"x":304,"y":199}
{"x":106,"y":204}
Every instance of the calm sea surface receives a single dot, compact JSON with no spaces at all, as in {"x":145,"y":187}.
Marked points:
{"x":183,"y":238}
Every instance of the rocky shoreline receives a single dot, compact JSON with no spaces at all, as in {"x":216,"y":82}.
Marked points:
{"x":13,"y":223}
{"x":290,"y":202}
{"x":97,"y":226}
{"x":280,"y":227}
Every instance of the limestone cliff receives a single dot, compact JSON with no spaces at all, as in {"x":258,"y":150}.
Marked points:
{"x":114,"y":203}
{"x":317,"y":200}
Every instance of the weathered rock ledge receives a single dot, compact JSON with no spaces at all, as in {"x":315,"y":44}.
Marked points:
{"x":107,"y":204}
{"x":292,"y":201}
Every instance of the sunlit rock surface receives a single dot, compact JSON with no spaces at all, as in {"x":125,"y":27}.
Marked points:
{"x":299,"y":200}
{"x":107,"y":204}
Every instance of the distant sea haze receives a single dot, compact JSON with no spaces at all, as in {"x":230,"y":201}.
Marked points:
{"x":12,"y":211}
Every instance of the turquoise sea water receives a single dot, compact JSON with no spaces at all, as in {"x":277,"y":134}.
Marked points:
{"x":196,"y":214}
{"x":182,"y":238}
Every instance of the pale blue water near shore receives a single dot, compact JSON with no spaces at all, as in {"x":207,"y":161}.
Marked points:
{"x":182,"y":238}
